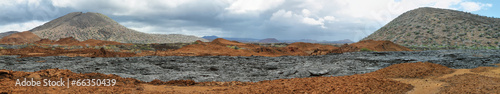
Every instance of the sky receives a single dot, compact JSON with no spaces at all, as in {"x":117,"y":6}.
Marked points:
{"x":281,"y":19}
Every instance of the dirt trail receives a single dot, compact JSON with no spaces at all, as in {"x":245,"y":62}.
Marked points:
{"x":460,"y":81}
{"x":423,"y":86}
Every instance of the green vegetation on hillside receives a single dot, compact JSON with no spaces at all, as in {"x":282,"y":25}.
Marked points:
{"x":434,"y":47}
{"x":365,"y":50}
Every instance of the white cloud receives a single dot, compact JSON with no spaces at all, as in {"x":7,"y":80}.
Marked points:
{"x":329,"y":18}
{"x":121,"y":7}
{"x":281,"y":14}
{"x":21,"y":26}
{"x":196,"y":31}
{"x":306,"y":12}
{"x":284,"y":17}
{"x":63,"y":3}
{"x":245,"y":6}
{"x":474,"y":6}
{"x":312,"y":21}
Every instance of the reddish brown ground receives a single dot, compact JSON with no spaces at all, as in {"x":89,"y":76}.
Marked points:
{"x":70,"y":41}
{"x":20,"y":38}
{"x":312,"y":48}
{"x":218,"y":47}
{"x":35,"y":51}
{"x":372,"y":45}
{"x":222,"y":47}
{"x":412,"y":70}
{"x":428,"y":78}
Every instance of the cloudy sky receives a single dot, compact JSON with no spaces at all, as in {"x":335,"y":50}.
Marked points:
{"x":281,"y":19}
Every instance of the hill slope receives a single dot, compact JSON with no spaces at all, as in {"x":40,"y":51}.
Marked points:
{"x":20,"y":38}
{"x":84,"y":26}
{"x":440,"y":27}
{"x":7,"y":33}
{"x":269,"y":40}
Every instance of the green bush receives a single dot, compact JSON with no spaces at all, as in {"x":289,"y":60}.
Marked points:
{"x":365,"y":50}
{"x":233,"y":47}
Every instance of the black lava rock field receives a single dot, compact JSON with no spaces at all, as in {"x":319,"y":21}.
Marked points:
{"x":226,"y":68}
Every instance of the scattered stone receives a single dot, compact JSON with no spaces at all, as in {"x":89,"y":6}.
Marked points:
{"x":318,"y":72}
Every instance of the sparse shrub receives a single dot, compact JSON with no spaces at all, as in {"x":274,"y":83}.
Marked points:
{"x":146,"y":48}
{"x":233,"y":47}
{"x":366,"y":50}
{"x":416,"y":33}
{"x":106,"y":47}
{"x":463,"y":34}
{"x":446,"y":30}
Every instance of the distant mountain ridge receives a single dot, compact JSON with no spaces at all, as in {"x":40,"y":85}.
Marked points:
{"x":20,"y":38}
{"x":7,"y":33}
{"x":84,"y":26}
{"x":273,"y":40}
{"x":269,"y":40}
{"x":440,"y":27}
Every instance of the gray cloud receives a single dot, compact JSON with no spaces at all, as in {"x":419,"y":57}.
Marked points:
{"x":290,"y":19}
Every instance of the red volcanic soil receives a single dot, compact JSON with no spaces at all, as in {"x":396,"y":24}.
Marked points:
{"x":372,"y":45}
{"x":222,"y":47}
{"x":412,"y":70}
{"x":20,"y":38}
{"x":93,"y":42}
{"x":34,"y":51}
{"x":312,"y":48}
{"x":355,"y":84}
{"x":44,"y":41}
{"x":218,"y":47}
{"x":8,"y":80}
{"x":380,"y":45}
{"x":412,"y":78}
{"x":70,"y":41}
